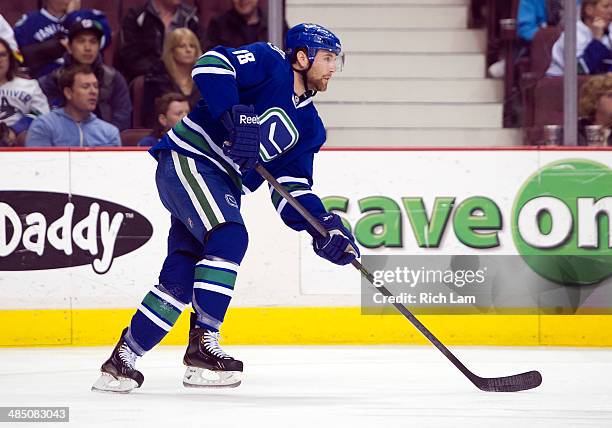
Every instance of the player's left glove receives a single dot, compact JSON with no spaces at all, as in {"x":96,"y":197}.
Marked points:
{"x":339,"y":246}
{"x":242,"y":125}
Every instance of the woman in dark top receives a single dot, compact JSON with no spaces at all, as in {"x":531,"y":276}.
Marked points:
{"x":172,"y":73}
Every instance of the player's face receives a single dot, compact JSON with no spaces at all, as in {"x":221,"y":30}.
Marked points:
{"x":323,"y":67}
{"x":245,"y":7}
{"x":186,"y":52}
{"x":176,"y":111}
{"x":4,"y":62}
{"x":84,"y":92}
{"x":84,"y":47}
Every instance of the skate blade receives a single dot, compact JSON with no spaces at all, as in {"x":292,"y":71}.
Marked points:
{"x":109,"y":383}
{"x":196,"y":377}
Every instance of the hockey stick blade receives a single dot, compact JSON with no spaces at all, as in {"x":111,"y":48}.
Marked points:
{"x":519,"y":382}
{"x":514,"y":383}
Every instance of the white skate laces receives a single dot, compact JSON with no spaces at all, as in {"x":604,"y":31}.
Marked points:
{"x":210,"y":340}
{"x":127,"y":356}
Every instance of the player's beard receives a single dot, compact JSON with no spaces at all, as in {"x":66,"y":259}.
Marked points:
{"x":320,"y":84}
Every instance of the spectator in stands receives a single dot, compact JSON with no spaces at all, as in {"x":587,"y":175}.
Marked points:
{"x":173,"y":72}
{"x":143,"y":31}
{"x":244,"y":23}
{"x":535,"y":14}
{"x":595,"y":107}
{"x":170,"y":108}
{"x":114,"y":103}
{"x":593,"y":44}
{"x":74,"y":124}
{"x":41,"y":34}
{"x":7,"y":33}
{"x":21,"y":99}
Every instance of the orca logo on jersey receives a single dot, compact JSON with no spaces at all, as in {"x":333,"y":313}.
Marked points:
{"x":48,"y":230}
{"x":231,"y":201}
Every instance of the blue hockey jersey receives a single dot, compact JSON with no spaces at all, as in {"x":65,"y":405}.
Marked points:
{"x":40,"y":26}
{"x":292,"y":131}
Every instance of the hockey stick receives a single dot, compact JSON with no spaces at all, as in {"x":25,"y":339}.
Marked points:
{"x":519,"y":382}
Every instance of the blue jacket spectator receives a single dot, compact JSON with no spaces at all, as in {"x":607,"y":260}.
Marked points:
{"x":41,"y":35}
{"x":74,"y":125}
{"x":535,"y":14}
{"x":59,"y":129}
{"x":532,"y":16}
{"x":114,"y":104}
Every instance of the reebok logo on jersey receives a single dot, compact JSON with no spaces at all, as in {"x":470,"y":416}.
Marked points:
{"x":247,"y":120}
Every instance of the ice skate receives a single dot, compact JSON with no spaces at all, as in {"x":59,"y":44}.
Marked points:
{"x":119,"y":373}
{"x":208,"y":366}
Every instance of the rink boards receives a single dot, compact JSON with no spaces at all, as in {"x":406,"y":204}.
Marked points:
{"x":91,"y":237}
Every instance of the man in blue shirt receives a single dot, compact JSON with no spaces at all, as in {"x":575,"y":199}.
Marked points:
{"x":258,"y":108}
{"x":535,"y":14}
{"x":74,"y":125}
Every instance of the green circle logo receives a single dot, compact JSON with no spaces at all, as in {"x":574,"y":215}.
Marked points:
{"x":561,"y":222}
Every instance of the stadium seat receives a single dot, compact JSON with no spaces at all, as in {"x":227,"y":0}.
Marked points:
{"x":541,"y":49}
{"x":131,"y":137}
{"x":546,"y":105}
{"x":539,"y":61}
{"x":21,"y":139}
{"x":13,"y":10}
{"x":136,"y":94}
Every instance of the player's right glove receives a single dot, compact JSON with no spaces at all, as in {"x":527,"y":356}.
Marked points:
{"x":242,"y":125}
{"x":339,"y":246}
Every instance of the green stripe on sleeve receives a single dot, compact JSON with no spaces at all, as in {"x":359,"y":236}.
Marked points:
{"x":291,"y":187}
{"x":214,"y":61}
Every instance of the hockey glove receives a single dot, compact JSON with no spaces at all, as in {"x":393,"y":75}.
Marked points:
{"x":242,"y":125}
{"x":339,"y":246}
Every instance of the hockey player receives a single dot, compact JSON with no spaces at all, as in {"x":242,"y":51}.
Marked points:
{"x":257,"y":107}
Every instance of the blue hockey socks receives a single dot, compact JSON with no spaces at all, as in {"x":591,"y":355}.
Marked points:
{"x":154,"y":318}
{"x":213,"y":289}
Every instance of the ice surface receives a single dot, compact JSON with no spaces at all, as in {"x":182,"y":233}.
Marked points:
{"x":340,"y":386}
